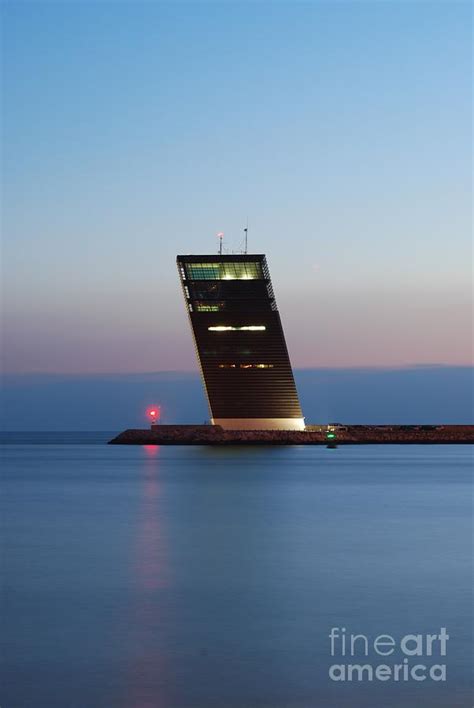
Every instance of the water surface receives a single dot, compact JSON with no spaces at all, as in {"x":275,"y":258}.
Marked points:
{"x":194,"y":577}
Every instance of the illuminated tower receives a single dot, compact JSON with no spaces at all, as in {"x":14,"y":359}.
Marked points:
{"x":240,"y":342}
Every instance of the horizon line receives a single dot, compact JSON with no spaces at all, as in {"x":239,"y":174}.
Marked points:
{"x":355,"y":367}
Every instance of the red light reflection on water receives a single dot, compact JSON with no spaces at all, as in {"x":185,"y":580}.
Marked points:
{"x":149,"y":668}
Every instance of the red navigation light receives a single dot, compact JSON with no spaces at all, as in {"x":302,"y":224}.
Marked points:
{"x":154,"y":412}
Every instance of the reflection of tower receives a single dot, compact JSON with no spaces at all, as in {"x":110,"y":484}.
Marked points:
{"x":240,"y":342}
{"x":149,"y":669}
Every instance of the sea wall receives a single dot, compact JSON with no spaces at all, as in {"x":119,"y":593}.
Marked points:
{"x":314,"y":435}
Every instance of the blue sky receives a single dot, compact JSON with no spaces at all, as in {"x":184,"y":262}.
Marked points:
{"x":133,"y":132}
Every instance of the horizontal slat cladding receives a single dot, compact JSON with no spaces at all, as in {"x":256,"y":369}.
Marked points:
{"x":234,"y":391}
{"x":246,"y":392}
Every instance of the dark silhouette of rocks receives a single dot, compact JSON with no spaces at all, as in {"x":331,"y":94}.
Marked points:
{"x":314,"y":435}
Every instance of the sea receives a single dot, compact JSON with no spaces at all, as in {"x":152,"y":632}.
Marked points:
{"x":234,"y":577}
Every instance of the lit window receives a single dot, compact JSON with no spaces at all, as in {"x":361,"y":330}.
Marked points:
{"x":256,"y":366}
{"x":246,"y":366}
{"x":202,"y":271}
{"x":200,"y":307}
{"x":226,"y":328}
{"x":225,"y":271}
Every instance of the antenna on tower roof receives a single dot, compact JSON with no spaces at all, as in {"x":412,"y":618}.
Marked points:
{"x":220,"y":236}
{"x":246,"y":232}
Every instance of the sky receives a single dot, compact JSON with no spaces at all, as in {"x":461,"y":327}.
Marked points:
{"x":132,"y":132}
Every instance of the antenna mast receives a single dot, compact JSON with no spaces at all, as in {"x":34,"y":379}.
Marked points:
{"x":221,"y":236}
{"x":246,"y":232}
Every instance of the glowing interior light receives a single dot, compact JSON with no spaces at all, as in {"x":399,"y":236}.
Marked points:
{"x":246,"y":366}
{"x":207,"y":308}
{"x":226,"y":328}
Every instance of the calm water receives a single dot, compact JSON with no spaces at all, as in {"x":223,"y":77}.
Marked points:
{"x":142,"y":577}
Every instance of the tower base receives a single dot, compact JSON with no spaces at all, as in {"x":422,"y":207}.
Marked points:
{"x":260,"y":423}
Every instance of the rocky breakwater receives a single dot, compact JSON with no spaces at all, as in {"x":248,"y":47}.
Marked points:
{"x":314,"y":435}
{"x":214,"y":435}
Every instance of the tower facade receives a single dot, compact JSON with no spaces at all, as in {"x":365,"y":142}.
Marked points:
{"x":239,"y":342}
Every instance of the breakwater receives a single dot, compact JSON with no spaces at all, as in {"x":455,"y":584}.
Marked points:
{"x":313,"y":435}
